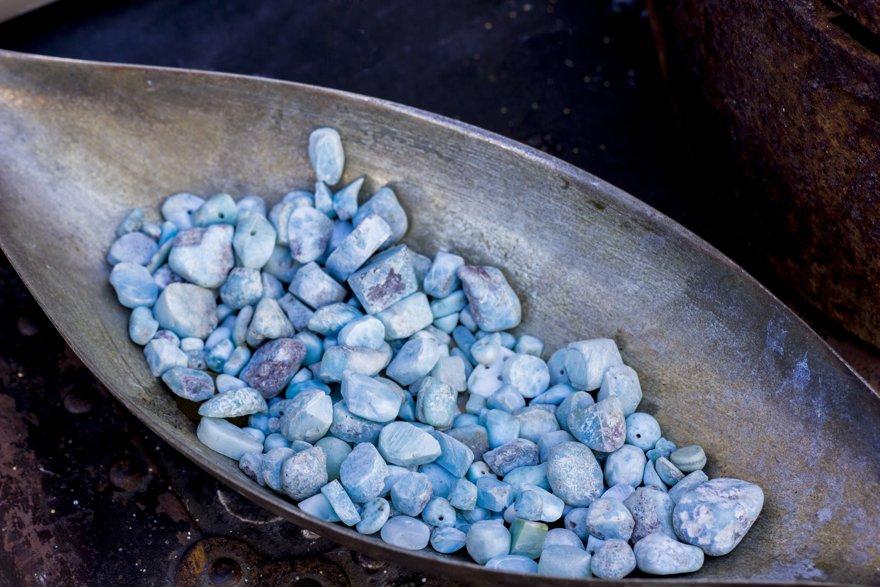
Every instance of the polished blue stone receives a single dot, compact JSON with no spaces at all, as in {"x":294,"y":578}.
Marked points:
{"x":487,"y":539}
{"x":492,"y":302}
{"x":567,"y":562}
{"x":659,"y":554}
{"x":134,"y":285}
{"x":374,"y":515}
{"x":406,"y":532}
{"x":410,"y":493}
{"x":363,"y":473}
{"x":446,"y":540}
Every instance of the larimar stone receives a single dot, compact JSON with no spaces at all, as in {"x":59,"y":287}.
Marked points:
{"x":562,"y":537}
{"x":519,"y":452}
{"x":186,"y":310}
{"x":451,"y":304}
{"x":406,"y":532}
{"x":476,"y":515}
{"x":538,"y":505}
{"x":652,"y":511}
{"x":441,"y":279}
{"x":407,"y":411}
{"x":366,"y":238}
{"x":203,"y":255}
{"x":365,"y":332}
{"x":134,"y":247}
{"x":668,"y":473}
{"x":650,"y":478}
{"x":658,"y":554}
{"x":487,"y":539}
{"x":573,"y":474}
{"x":476,"y":406}
{"x":319,"y":507}
{"x":243,"y":287}
{"x":324,"y":199}
{"x":467,"y":319}
{"x":341,"y":503}
{"x":492,"y":302}
{"x":370,"y":398}
{"x":134,"y":285}
{"x":227,"y":383}
{"x":690,"y":481}
{"x":512,"y":563}
{"x":501,"y":428}
{"x":438,"y":512}
{"x":274,"y":440}
{"x":567,"y":562}
{"x":216,"y":356}
{"x":162,"y":355}
{"x":339,"y":359}
{"x":308,"y":234}
{"x":374,"y":515}
{"x":273,"y":365}
{"x":451,"y":371}
{"x":555,"y":395}
{"x":534,"y":475}
{"x":351,"y":428}
{"x":576,"y":521}
{"x":180,"y":207}
{"x":527,"y":373}
{"x":363,"y":473}
{"x":250,"y":464}
{"x":447,"y":540}
{"x":272,"y":286}
{"x":601,"y":426}
{"x":556,"y":366}
{"x":586,"y":362}
{"x":436,"y":404}
{"x":406,"y":317}
{"x":411,"y":493}
{"x":463,"y":495}
{"x":473,"y":436}
{"x":307,"y":416}
{"x":486,"y":349}
{"x":622,"y":382}
{"x":328,"y":320}
{"x":251,"y":205}
{"x":716,"y":514}
{"x":464,"y":340}
{"x":507,"y":398}
{"x":132,"y":222}
{"x":548,"y":440}
{"x":191,"y":384}
{"x":387,"y":278}
{"x":642,"y":430}
{"x":401,"y":443}
{"x":304,"y":473}
{"x":160,"y":257}
{"x":535,"y":421}
{"x":613,"y":561}
{"x":689,"y":458}
{"x":273,"y":461}
{"x":608,"y":518}
{"x":625,"y":466}
{"x":529,"y":345}
{"x":341,"y":229}
{"x":384,"y":203}
{"x":238,"y":402}
{"x":218,"y":209}
{"x":297,"y":387}
{"x":269,"y":322}
{"x":455,"y":456}
{"x":226,"y":438}
{"x":662,"y":448}
{"x":492,"y":494}
{"x":326,"y":154}
{"x":335,"y":451}
{"x":441,"y":480}
{"x":527,"y":538}
{"x":316,"y":288}
{"x":345,"y":201}
{"x":281,"y":264}
{"x":141,"y":325}
{"x":414,"y":360}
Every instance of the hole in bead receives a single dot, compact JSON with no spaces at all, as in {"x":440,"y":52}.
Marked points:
{"x":253,"y":233}
{"x":221,"y":215}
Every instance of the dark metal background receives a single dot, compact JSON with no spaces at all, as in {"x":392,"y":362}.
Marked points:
{"x":88,"y":496}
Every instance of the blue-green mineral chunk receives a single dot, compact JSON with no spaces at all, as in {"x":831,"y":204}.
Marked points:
{"x":447,"y":540}
{"x":351,"y":428}
{"x":492,"y":494}
{"x":668,"y":473}
{"x":218,"y":209}
{"x":406,"y":532}
{"x":226,"y":438}
{"x":203,"y":255}
{"x":567,"y":562}
{"x":436,"y":403}
{"x":374,"y":515}
{"x":238,"y":402}
{"x":613,"y":561}
{"x":371,"y":398}
{"x":314,"y":287}
{"x":326,"y":155}
{"x":492,"y":302}
{"x":243,"y":287}
{"x":716,"y":514}
{"x":527,"y":373}
{"x":622,"y":382}
{"x":341,"y":503}
{"x":455,"y":456}
{"x":652,"y":511}
{"x":658,"y":554}
{"x":319,"y":507}
{"x":273,"y":461}
{"x":328,"y":320}
{"x":363,"y":473}
{"x":134,"y":247}
{"x":307,"y":416}
{"x":586,"y":362}
{"x":411,"y":493}
{"x":134,"y":285}
{"x":527,"y":538}
{"x":487,"y":539}
{"x":689,"y":458}
{"x":401,"y":443}
{"x":309,"y":234}
{"x":191,"y":384}
{"x":141,"y":325}
{"x":463,"y":495}
{"x":574,"y":474}
{"x":384,"y":203}
{"x":186,"y":310}
{"x":601,"y":426}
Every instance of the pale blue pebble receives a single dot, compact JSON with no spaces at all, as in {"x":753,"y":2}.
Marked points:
{"x":441,"y":279}
{"x":187,"y":310}
{"x":309,"y":233}
{"x":485,"y":380}
{"x":179,"y":208}
{"x":132,"y":222}
{"x":351,"y":428}
{"x":272,"y":463}
{"x":562,"y":537}
{"x":307,"y":416}
{"x":371,"y":398}
{"x":473,"y":436}
{"x":354,"y":250}
{"x":385,"y":204}
{"x":688,"y":458}
{"x":406,"y":317}
{"x":260,"y":421}
{"x":619,"y":492}
{"x":613,"y":561}
{"x":642,"y":430}
{"x":486,"y":349}
{"x":492,"y":302}
{"x":407,"y":411}
{"x":625,"y":465}
{"x":300,"y":445}
{"x":335,"y":451}
{"x":574,"y":474}
{"x":601,"y":426}
{"x":464,"y":340}
{"x":535,"y":421}
{"x":415,"y":359}
{"x":575,"y":520}
{"x":463,"y":495}
{"x":163,"y":355}
{"x":476,"y":405}
{"x":295,"y":387}
{"x":227,"y":383}
{"x":229,"y":322}
{"x":237,"y":360}
{"x":436,"y":403}
{"x":455,"y":456}
{"x":374,"y":515}
{"x":328,"y":320}
{"x":529,"y":345}
{"x":313,"y":346}
{"x":217,"y":355}
{"x":141,"y":325}
{"x":608,"y":518}
{"x":363,"y":473}
{"x":586,"y":362}
{"x":167,"y":336}
{"x":450,"y":305}
{"x":160,"y":257}
{"x":548,"y":440}
{"x":466,"y":319}
{"x":218,"y":209}
{"x":477,"y":470}
{"x":338,"y":359}
{"x":527,"y":538}
{"x":341,"y":503}
{"x":324,"y":199}
{"x":593,"y":544}
{"x":406,"y":532}
{"x":556,"y":367}
{"x":326,"y":155}
{"x":251,"y":205}
{"x":501,"y":428}
{"x":527,"y":373}
{"x":538,"y":505}
{"x":446,"y":540}
{"x":203,"y":256}
{"x":231,"y":404}
{"x":650,"y":478}
{"x":242,"y":324}
{"x":134,"y":285}
{"x":717,"y":514}
{"x":318,"y":507}
{"x":562,"y":561}
{"x":223,"y":311}
{"x":652,"y":511}
{"x":487,"y":539}
{"x":512,"y":563}
{"x":280,"y":263}
{"x":190,"y":384}
{"x":345,"y":201}
{"x":401,"y":443}
{"x":411,"y":493}
{"x":518,"y":452}
{"x":226,"y":438}
{"x":250,"y":465}
{"x":668,"y":473}
{"x":659,"y":554}
{"x":314,"y":287}
{"x":395,"y":473}
{"x":492,"y":494}
{"x":465,"y":419}
{"x":269,"y":322}
{"x":169,"y":231}
{"x":275,"y":440}
{"x":341,"y":229}
{"x":304,"y":473}
{"x":555,"y":395}
{"x":477,"y":514}
{"x":451,"y":371}
{"x":442,"y":481}
{"x":622,"y":382}
{"x":134,"y":247}
{"x":447,"y":323}
{"x":690,"y":481}
{"x":662,"y":448}
{"x":272,"y":286}
{"x":365,"y":331}
{"x":531,"y":475}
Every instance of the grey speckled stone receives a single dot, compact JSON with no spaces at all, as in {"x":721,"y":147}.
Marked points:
{"x":304,"y":473}
{"x":273,"y":365}
{"x":574,"y":474}
{"x":203,"y":256}
{"x":493,"y":303}
{"x":231,"y":404}
{"x":652,"y":511}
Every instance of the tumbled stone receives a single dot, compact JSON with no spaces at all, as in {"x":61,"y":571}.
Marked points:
{"x":567,"y":562}
{"x":574,"y":474}
{"x":716,"y":514}
{"x":218,"y":209}
{"x":345,"y":201}
{"x":473,"y":436}
{"x":273,"y":365}
{"x":141,"y":325}
{"x":625,"y":466}
{"x":338,"y":359}
{"x":451,"y":371}
{"x":162,"y":355}
{"x":411,"y":493}
{"x":180,"y":207}
{"x":441,"y":279}
{"x":658,"y":554}
{"x":447,"y":540}
{"x":538,"y":505}
{"x":501,"y":427}
{"x":463,"y":495}
{"x":455,"y":456}
{"x":134,"y":285}
{"x":281,"y":264}
{"x":318,"y":507}
{"x":387,"y":278}
{"x":492,"y":302}
{"x":414,"y":360}
{"x":243,"y":287}
{"x":487,"y":539}
{"x":374,"y":515}
{"x":534,"y":475}
{"x":307,"y":416}
{"x":133,"y":247}
{"x":191,"y":384}
{"x":613,"y":561}
{"x":650,"y":478}
{"x":269,"y":322}
{"x":438,"y":512}
{"x":527,"y":538}
{"x":298,"y":313}
{"x":231,"y":404}
{"x":562,"y":537}
{"x":401,"y":443}
{"x":622,"y":382}
{"x":309,"y":233}
{"x":652,"y":511}
{"x":608,"y":518}
{"x":328,"y":320}
{"x":384,"y":203}
{"x":662,"y":448}
{"x":436,"y":403}
{"x":528,"y":374}
{"x":515,"y":453}
{"x":370,"y":398}
{"x":316,"y":288}
{"x":689,"y":458}
{"x":406,"y":532}
{"x":365,"y":332}
{"x":668,"y":473}
{"x":203,"y":256}
{"x":406,"y":317}
{"x":304,"y":473}
{"x":690,"y":481}
{"x":341,"y":503}
{"x":273,"y":462}
{"x":226,"y":438}
{"x":326,"y":154}
{"x":535,"y":421}
{"x":586,"y":362}
{"x":642,"y":430}
{"x":601,"y":426}
{"x":357,"y":247}
{"x":363,"y":473}
{"x":576,"y":521}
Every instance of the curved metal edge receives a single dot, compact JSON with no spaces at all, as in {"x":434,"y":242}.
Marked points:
{"x":428,"y":562}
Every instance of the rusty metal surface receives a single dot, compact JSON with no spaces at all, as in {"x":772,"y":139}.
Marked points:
{"x":782,"y":100}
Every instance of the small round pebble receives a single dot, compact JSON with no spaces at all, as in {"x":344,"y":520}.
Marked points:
{"x":689,"y":458}
{"x":406,"y":532}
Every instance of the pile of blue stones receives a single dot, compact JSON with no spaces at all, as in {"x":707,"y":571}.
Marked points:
{"x":336,"y":364}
